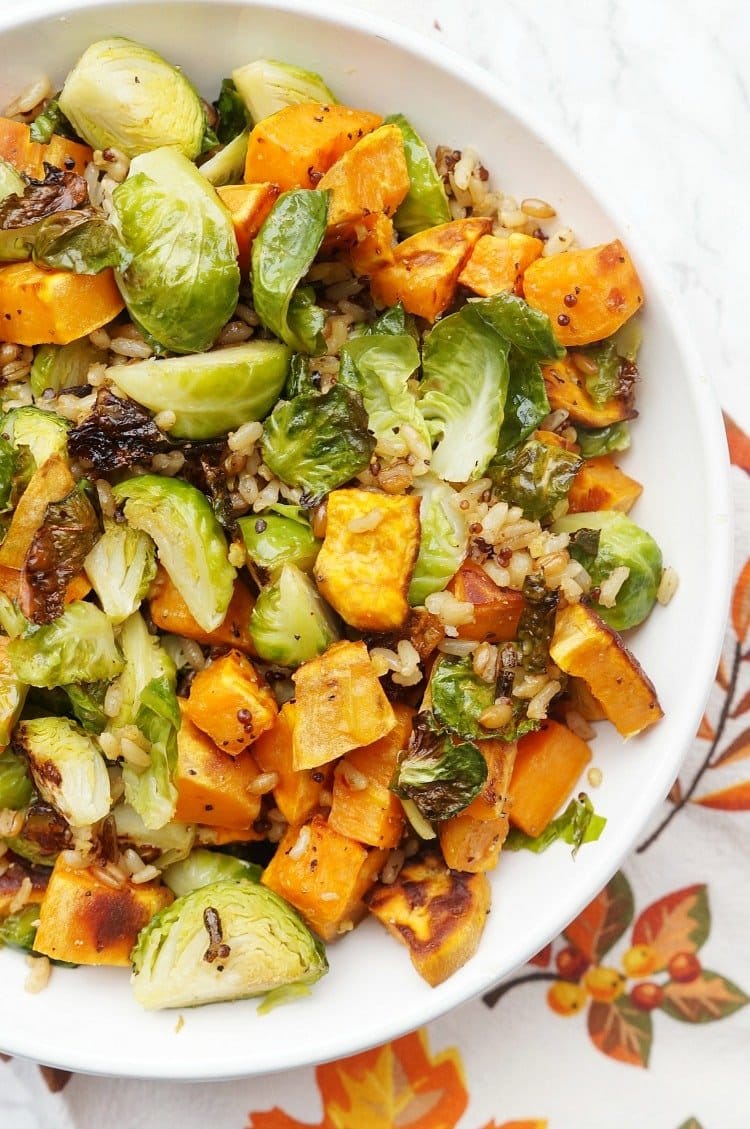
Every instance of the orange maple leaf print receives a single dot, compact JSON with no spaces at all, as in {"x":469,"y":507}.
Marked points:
{"x":739,"y":444}
{"x":397,"y":1086}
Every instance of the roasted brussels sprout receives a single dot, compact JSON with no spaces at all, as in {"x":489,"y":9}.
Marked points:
{"x":202,"y":867}
{"x":78,"y":647}
{"x":577,"y":825}
{"x":266,"y":86}
{"x":536,"y":623}
{"x":226,"y":941}
{"x":378,"y":367}
{"x":209,"y":393}
{"x":121,"y":566}
{"x":12,"y":697}
{"x":459,"y":696}
{"x":63,"y":366}
{"x":443,"y":541}
{"x":535,"y":476}
{"x":18,"y":930}
{"x":622,"y":544}
{"x":595,"y":441}
{"x":439,"y":775}
{"x":279,"y":535}
{"x":526,"y":404}
{"x":426,"y":204}
{"x":290,"y":623}
{"x":191,"y":543}
{"x":183,"y":281}
{"x":162,"y":845}
{"x":318,"y":442}
{"x":122,"y":95}
{"x":228,"y":165}
{"x":11,"y":183}
{"x":44,"y":433}
{"x":56,"y":554}
{"x":527,"y":329}
{"x":68,"y":768}
{"x":16,"y":787}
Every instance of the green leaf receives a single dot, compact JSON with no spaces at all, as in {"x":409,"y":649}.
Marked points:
{"x":443,"y":538}
{"x":536,"y":476}
{"x":621,"y":1031}
{"x":578,"y":824}
{"x":18,"y":930}
{"x":537,"y":623}
{"x":426,"y":203}
{"x":306,"y":321}
{"x":231,"y":111}
{"x":526,"y":404}
{"x":459,"y":696}
{"x":439,"y":776}
{"x":282,"y":253}
{"x":87,"y":703}
{"x":50,"y":120}
{"x":378,"y":367}
{"x":595,"y":441}
{"x":16,"y":788}
{"x":705,"y":999}
{"x":7,"y":470}
{"x":528,"y":329}
{"x":82,"y":242}
{"x":603,"y":384}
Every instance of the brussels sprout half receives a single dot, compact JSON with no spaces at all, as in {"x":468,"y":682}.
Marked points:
{"x":182,"y":284}
{"x":78,"y":647}
{"x":202,"y":867}
{"x":11,"y":183}
{"x":191,"y":543}
{"x":172,"y":842}
{"x":209,"y":393}
{"x":226,"y":941}
{"x":426,"y":203}
{"x":121,"y":566}
{"x":266,"y":86}
{"x":68,"y":768}
{"x":44,"y":433}
{"x":378,"y":366}
{"x":290,"y":624}
{"x":622,"y":543}
{"x":16,"y":787}
{"x":278,"y":536}
{"x":124,"y":96}
{"x":443,"y":541}
{"x":228,"y":165}
{"x":18,"y":930}
{"x":63,"y":366}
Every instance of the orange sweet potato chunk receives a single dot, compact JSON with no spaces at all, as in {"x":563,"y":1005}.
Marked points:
{"x":170,"y":612}
{"x":372,"y":178}
{"x":54,"y":306}
{"x":496,"y":610}
{"x":497,"y":263}
{"x":547,"y":767}
{"x":229,"y":701}
{"x":426,"y":267}
{"x":375,"y":249}
{"x":600,"y":485}
{"x":50,"y":483}
{"x":213,"y":788}
{"x":298,"y":791}
{"x":566,"y":390}
{"x":249,"y":205}
{"x":296,"y":146}
{"x":29,"y":157}
{"x":472,"y":840}
{"x":601,"y":286}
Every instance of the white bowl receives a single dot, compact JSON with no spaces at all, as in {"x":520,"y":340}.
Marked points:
{"x":87,"y":1020}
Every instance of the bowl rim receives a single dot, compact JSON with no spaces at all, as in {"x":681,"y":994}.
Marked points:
{"x":718,"y":486}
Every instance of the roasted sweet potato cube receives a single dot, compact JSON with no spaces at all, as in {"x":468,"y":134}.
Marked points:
{"x":439,"y":914}
{"x":340,"y":705}
{"x":497,"y":263}
{"x":364,"y":808}
{"x":323,"y":874}
{"x":375,"y":248}
{"x":552,"y":439}
{"x":83,"y":920}
{"x":566,"y":389}
{"x":602,"y":280}
{"x":298,"y":791}
{"x":580,"y":698}
{"x":548,"y":765}
{"x":170,"y":612}
{"x":42,"y":306}
{"x":600,"y":485}
{"x":206,"y":836}
{"x":425,"y":268}
{"x":296,"y":146}
{"x":212,"y":787}
{"x":229,"y":701}
{"x":368,"y":556}
{"x":582,"y":645}
{"x":50,"y":483}
{"x":472,"y":840}
{"x":29,"y":157}
{"x":371,"y":178}
{"x":496,"y":610}
{"x":249,"y":205}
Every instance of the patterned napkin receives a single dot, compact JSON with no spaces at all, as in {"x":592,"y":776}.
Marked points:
{"x":635,"y":1017}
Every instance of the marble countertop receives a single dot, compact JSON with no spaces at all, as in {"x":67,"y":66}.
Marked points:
{"x":654,"y":97}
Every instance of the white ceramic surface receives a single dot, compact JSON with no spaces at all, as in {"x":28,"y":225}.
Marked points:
{"x":86,"y":1020}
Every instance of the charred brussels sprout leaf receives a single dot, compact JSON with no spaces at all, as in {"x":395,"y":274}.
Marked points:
{"x":226,"y":941}
{"x":115,"y":434}
{"x":460,"y":697}
{"x":282,"y":253}
{"x":535,"y":476}
{"x":209,"y":393}
{"x":58,"y":549}
{"x":278,"y":536}
{"x":68,"y":768}
{"x":318,"y":442}
{"x":191,"y":543}
{"x":378,"y":367}
{"x":595,"y":441}
{"x":426,"y":203}
{"x":267,"y":85}
{"x":182,"y":284}
{"x":621,"y":544}
{"x":16,"y":788}
{"x":527,"y":329}
{"x":87,"y":704}
{"x":300,"y":378}
{"x":202,"y":867}
{"x":290,"y":624}
{"x":82,"y":242}
{"x":526,"y":404}
{"x":537,"y":623}
{"x":437,"y":775}
{"x":50,"y":120}
{"x":59,"y":191}
{"x":465,"y":367}
{"x":443,"y":539}
{"x":122,"y":95}
{"x":232,"y":113}
{"x":18,"y":930}
{"x":78,"y":647}
{"x":44,"y":834}
{"x":577,"y":825}
{"x":121,"y":566}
